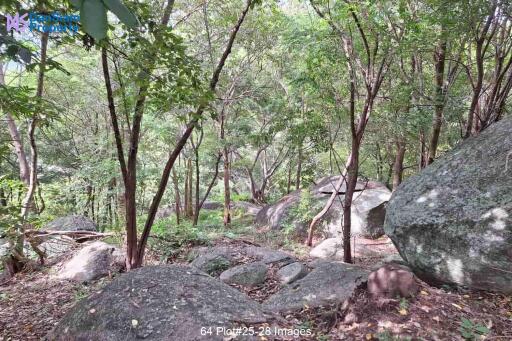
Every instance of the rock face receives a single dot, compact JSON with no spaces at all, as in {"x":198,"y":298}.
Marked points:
{"x":159,"y":303}
{"x":368,"y":209}
{"x":328,"y":282}
{"x":291,"y":272}
{"x":246,"y":274}
{"x":92,"y":262}
{"x":452,"y":222}
{"x":72,"y":223}
{"x":390,"y":281}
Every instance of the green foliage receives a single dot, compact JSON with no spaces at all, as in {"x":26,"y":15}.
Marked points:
{"x":169,"y":238}
{"x":93,"y":15}
{"x":472,"y":331}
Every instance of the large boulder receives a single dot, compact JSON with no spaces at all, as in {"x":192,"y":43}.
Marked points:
{"x":327,"y":283}
{"x":168,"y":302}
{"x":71,"y":223}
{"x":368,"y":209}
{"x":452,"y":222}
{"x":94,"y":261}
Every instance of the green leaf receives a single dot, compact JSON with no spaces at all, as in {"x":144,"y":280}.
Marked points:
{"x":122,"y":12}
{"x":93,"y":15}
{"x":76,"y":3}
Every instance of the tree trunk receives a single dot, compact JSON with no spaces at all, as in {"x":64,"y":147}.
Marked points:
{"x":398,"y":165}
{"x":352,"y":172}
{"x":227,"y":194}
{"x":190,"y":207}
{"x":177,"y":200}
{"x":197,"y":199}
{"x":423,"y":157}
{"x":439,"y":57}
{"x":289,"y":182}
{"x":299,"y":168}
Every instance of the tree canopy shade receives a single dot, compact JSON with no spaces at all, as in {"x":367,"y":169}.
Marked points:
{"x":243,"y":100}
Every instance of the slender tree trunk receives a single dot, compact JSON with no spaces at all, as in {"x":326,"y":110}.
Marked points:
{"x":227,"y":193}
{"x":210,"y":186}
{"x":439,"y":57}
{"x":398,"y":165}
{"x":299,"y":168}
{"x":289,"y":183}
{"x":3,"y":200}
{"x":197,"y":199}
{"x":186,"y":192}
{"x":15,"y":261}
{"x":423,"y":157}
{"x":352,"y":173}
{"x":184,"y":138}
{"x":177,"y":200}
{"x":190,"y":207}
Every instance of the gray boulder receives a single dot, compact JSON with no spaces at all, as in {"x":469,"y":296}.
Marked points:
{"x":249,"y":275}
{"x":94,"y":261}
{"x":452,"y":222}
{"x":212,"y":263}
{"x":168,"y":302}
{"x":328,"y":282}
{"x":368,"y":209}
{"x":71,"y":223}
{"x":268,"y":256}
{"x":291,"y":272}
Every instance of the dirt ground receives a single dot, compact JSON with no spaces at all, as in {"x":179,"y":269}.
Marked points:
{"x":32,"y":303}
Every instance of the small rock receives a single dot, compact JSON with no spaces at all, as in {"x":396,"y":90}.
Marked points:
{"x":291,"y":272}
{"x":269,"y":256}
{"x":212,"y":263}
{"x":246,"y":274}
{"x":391,"y":281}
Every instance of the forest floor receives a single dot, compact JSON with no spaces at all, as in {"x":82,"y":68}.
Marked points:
{"x":33,"y":302}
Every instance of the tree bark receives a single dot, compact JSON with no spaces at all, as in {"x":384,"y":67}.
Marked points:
{"x":299,"y":168}
{"x":398,"y":165}
{"x":439,"y":58}
{"x":177,"y":200}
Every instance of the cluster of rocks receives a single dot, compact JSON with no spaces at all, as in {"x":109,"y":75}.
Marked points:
{"x":367,"y":213}
{"x":182,"y":302}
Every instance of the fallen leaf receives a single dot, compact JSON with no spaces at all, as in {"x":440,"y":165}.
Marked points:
{"x":457,"y":306}
{"x":403,"y":312}
{"x":423,"y":292}
{"x":369,"y":336}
